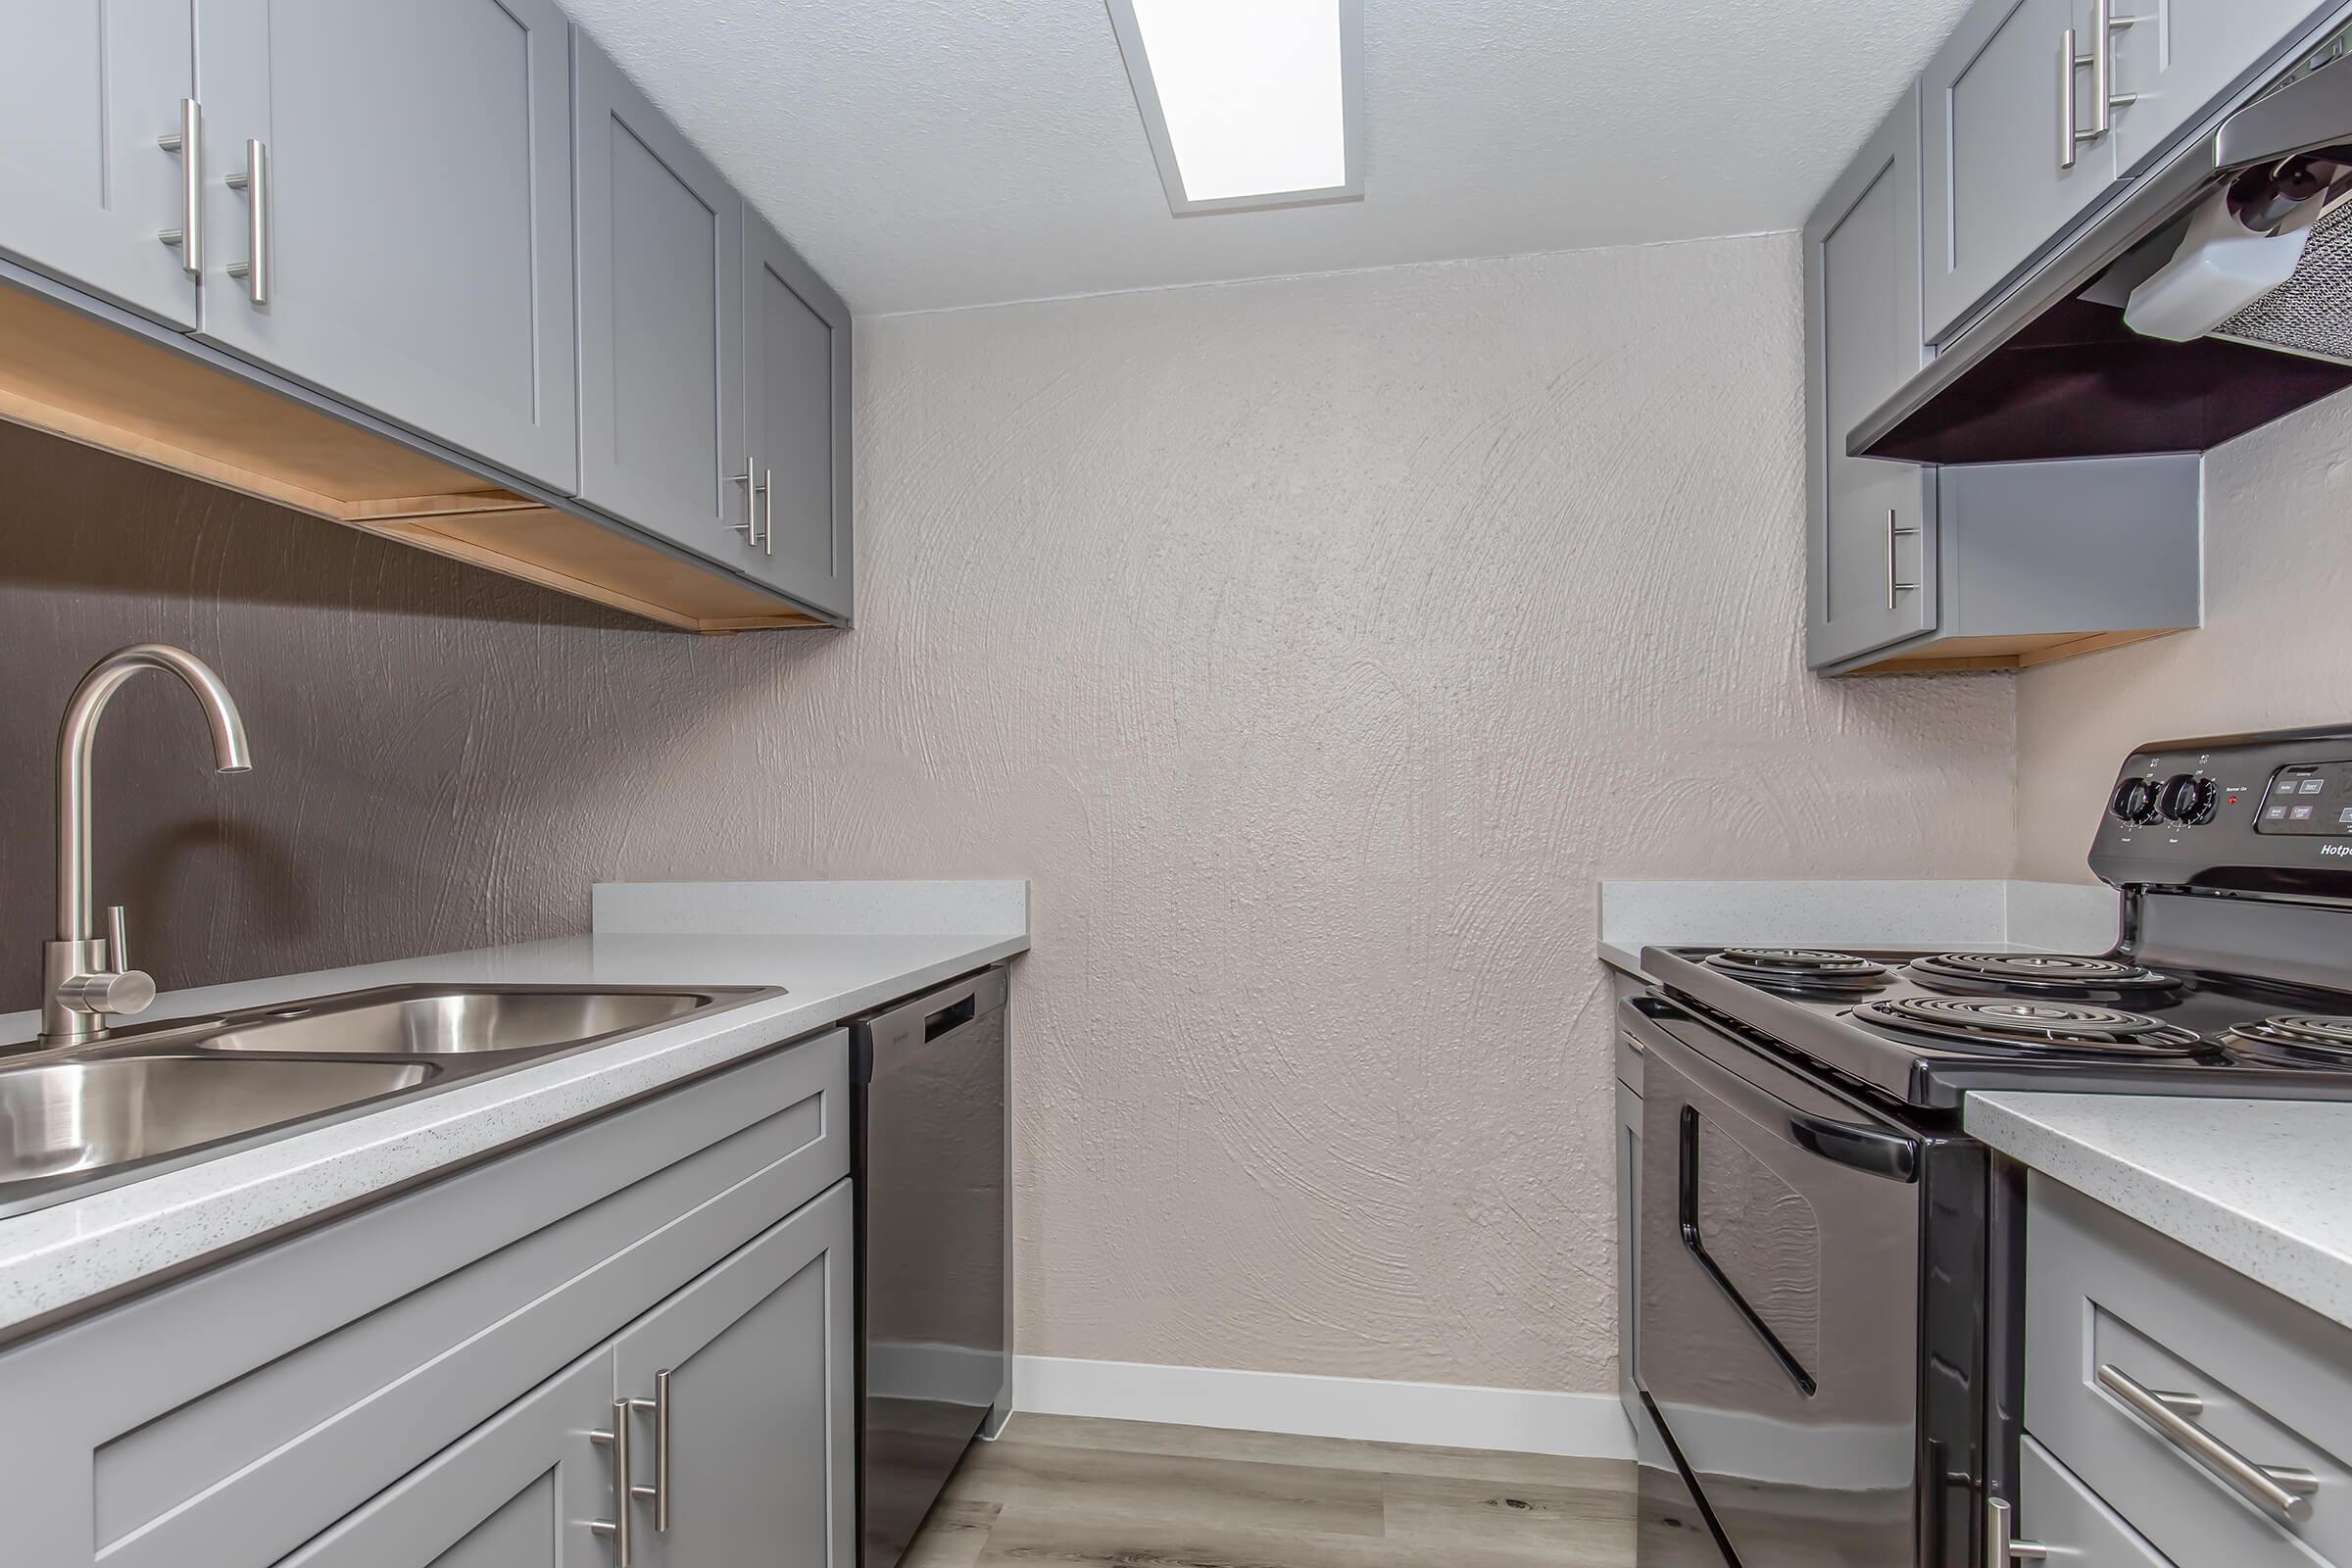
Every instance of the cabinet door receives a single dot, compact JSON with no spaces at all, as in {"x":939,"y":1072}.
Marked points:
{"x":660,"y":246}
{"x":796,"y":395}
{"x":86,"y":86}
{"x":418,"y":243}
{"x":519,"y":1492}
{"x":2058,"y":1512}
{"x":2002,"y":105}
{"x":2181,"y":55}
{"x":1871,"y":568}
{"x":761,"y":1361}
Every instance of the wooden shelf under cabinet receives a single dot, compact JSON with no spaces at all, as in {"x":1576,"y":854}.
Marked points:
{"x":1960,"y":654}
{"x":79,"y":378}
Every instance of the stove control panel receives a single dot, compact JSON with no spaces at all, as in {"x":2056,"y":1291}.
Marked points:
{"x":2308,"y":798}
{"x":2247,"y":812}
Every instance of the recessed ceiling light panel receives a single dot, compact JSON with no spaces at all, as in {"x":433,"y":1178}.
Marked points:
{"x":1248,"y":103}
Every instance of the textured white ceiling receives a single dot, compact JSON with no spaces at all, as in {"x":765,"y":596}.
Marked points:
{"x":927,"y":153}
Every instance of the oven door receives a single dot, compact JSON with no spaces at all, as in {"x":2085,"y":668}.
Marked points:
{"x":1779,"y":1296}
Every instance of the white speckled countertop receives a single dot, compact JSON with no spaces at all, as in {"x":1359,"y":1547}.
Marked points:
{"x":2262,"y":1186}
{"x":58,"y":1258}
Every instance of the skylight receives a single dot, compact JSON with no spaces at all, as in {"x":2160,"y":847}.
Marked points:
{"x":1247,"y":103}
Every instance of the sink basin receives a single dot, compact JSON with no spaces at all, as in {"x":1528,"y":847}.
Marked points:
{"x":67,"y":1116}
{"x":455,"y":1023}
{"x":147,"y":1097}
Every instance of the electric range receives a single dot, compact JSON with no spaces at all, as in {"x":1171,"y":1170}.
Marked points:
{"x":1925,"y":1028}
{"x":1829,"y":1273}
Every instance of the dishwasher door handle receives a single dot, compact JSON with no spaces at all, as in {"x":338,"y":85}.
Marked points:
{"x":881,"y":1043}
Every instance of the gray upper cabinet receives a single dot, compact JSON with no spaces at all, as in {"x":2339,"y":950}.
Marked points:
{"x":2012,"y":153}
{"x":661,"y":291}
{"x":86,"y":88}
{"x":415,"y":256}
{"x":1871,"y":529}
{"x":2181,"y":54}
{"x":553,"y":340}
{"x":759,"y":1363}
{"x":796,"y":392}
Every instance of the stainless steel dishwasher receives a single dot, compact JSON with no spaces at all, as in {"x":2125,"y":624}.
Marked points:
{"x":931,"y":1157}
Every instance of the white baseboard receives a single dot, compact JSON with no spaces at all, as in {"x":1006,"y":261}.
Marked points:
{"x":1442,"y":1415}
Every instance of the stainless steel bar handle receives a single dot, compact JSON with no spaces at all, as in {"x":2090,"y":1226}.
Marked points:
{"x":749,"y":478}
{"x":2068,"y":136}
{"x":768,"y":507}
{"x":2104,"y":99}
{"x":2102,"y":69}
{"x":1894,"y":584}
{"x":2001,"y":1546}
{"x":618,"y":1529}
{"x":188,"y":142}
{"x":2277,"y":1489}
{"x":659,"y":1491}
{"x":254,"y":181}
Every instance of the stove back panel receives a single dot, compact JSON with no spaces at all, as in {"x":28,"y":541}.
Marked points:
{"x":2300,"y":943}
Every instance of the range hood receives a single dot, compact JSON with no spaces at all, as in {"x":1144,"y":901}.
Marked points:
{"x":2239,"y":246}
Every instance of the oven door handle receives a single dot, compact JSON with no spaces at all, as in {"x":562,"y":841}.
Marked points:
{"x":1841,"y":1143}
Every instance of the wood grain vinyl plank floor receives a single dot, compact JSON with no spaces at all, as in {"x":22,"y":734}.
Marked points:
{"x":1063,"y":1492}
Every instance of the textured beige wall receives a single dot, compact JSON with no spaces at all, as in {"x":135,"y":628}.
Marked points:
{"x":2273,"y":652}
{"x":1314,"y":644}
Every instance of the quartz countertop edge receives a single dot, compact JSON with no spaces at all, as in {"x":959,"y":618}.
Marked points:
{"x":56,"y":1259}
{"x":2260,"y":1186}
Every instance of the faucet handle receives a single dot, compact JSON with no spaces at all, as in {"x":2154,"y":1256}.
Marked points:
{"x":118,"y":939}
{"x":125,"y":991}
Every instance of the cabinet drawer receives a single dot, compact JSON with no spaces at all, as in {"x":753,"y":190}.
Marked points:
{"x":2112,"y":1307}
{"x":225,"y":1420}
{"x":2057,"y":1512}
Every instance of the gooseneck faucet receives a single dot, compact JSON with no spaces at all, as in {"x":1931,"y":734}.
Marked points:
{"x":86,"y":977}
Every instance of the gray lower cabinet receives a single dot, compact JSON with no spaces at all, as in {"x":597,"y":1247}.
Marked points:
{"x":1872,"y":572}
{"x":759,"y":1364}
{"x":661,"y":300}
{"x":2011,"y":156}
{"x":796,"y":394}
{"x":521,"y":1491}
{"x":416,"y":1383}
{"x":414,"y":171}
{"x":86,"y":88}
{"x":2058,"y":1512}
{"x":2207,"y":1416}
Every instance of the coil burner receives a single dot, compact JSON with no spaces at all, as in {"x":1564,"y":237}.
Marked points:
{"x":2294,"y":1040}
{"x":2039,"y":974}
{"x":2040,"y":1025}
{"x":1807,"y":969}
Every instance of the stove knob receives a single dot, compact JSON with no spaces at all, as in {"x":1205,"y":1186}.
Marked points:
{"x":2134,"y":801}
{"x":2187,"y":800}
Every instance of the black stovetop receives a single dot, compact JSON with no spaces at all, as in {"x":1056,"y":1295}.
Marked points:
{"x":1841,"y":1031}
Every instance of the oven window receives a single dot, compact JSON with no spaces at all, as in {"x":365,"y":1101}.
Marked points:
{"x":1764,"y":1237}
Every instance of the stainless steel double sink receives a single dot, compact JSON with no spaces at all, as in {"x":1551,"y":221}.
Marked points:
{"x":96,"y":1114}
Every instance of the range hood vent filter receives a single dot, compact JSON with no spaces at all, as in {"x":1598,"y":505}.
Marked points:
{"x":2312,"y":313}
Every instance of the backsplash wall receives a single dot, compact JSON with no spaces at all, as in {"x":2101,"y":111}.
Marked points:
{"x":1314,"y":646}
{"x":2272,"y":653}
